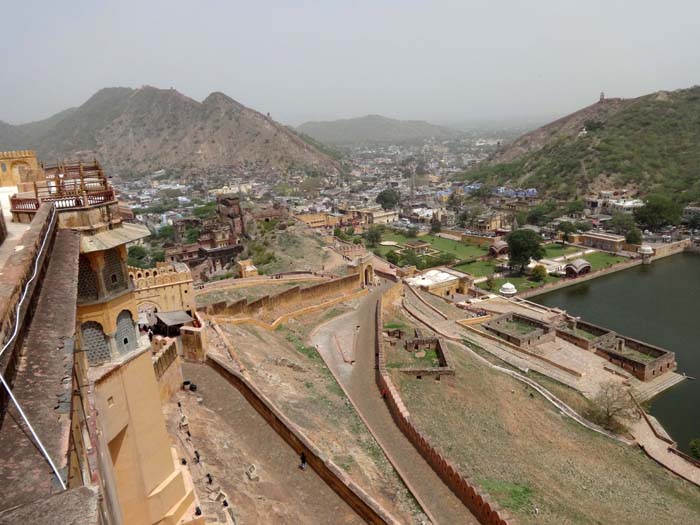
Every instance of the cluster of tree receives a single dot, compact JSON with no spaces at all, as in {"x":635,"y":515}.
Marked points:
{"x":568,"y":227}
{"x":347,"y":235}
{"x":373,"y":235}
{"x":659,"y":211}
{"x":142,"y":257}
{"x":624,"y":224}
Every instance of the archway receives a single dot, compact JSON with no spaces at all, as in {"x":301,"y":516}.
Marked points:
{"x":368,"y":275}
{"x":146,"y":311}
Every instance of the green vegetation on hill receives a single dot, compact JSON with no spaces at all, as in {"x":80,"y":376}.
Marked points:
{"x":652,"y":143}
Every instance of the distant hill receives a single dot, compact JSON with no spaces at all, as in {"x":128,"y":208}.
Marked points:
{"x":650,"y":143}
{"x":374,"y":129}
{"x":140,"y":130}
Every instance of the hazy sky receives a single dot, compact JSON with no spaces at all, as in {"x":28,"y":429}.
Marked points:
{"x":445,"y":61}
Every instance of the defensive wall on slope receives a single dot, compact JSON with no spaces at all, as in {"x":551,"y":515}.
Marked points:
{"x":287,"y":299}
{"x":368,"y":509}
{"x":478,"y":502}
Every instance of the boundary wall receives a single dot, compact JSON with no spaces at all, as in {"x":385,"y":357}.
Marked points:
{"x":477,"y":501}
{"x":368,"y":509}
{"x":288,"y":297}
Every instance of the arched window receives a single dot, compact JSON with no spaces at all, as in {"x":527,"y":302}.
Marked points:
{"x":94,"y":343}
{"x":126,"y":333}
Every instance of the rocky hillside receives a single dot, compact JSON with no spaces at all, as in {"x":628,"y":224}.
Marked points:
{"x":650,"y":143}
{"x":140,"y":130}
{"x":374,"y":129}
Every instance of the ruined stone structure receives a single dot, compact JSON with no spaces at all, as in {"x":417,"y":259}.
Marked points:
{"x":643,"y":360}
{"x":87,"y":383}
{"x":218,"y":238}
{"x":520,"y":330}
{"x":16,"y":167}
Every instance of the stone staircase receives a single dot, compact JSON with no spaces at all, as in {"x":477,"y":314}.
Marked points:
{"x":648,"y":389}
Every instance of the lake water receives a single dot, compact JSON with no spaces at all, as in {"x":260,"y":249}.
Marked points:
{"x":660,"y":304}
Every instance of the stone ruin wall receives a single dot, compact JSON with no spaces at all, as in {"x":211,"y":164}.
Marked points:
{"x":478,"y":502}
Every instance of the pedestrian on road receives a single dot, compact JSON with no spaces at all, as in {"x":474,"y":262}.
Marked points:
{"x":383,"y":392}
{"x":150,"y":335}
{"x":302,"y":457}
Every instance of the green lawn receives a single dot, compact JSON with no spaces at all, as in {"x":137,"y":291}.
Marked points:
{"x":520,"y":283}
{"x":482,"y":268}
{"x":600,"y":260}
{"x":552,"y":251}
{"x":461,"y":250}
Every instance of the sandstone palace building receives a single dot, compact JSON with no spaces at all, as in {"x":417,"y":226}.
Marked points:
{"x":82,"y":432}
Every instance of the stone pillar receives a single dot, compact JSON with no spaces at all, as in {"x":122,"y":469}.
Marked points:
{"x":113,"y":349}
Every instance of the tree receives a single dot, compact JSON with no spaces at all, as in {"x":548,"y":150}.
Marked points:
{"x":388,"y":198}
{"x":658,"y":211}
{"x":435,"y":225}
{"x":490,"y":283}
{"x":138,"y":256}
{"x":694,"y":221}
{"x":612,"y":403}
{"x":373,"y":235}
{"x":166,"y":233}
{"x":337,"y":232}
{"x":634,"y":236}
{"x":412,"y":232}
{"x":158,"y":256}
{"x":622,"y":223}
{"x":539,"y":273}
{"x":191,"y":235}
{"x":523,"y":245}
{"x":695,"y":448}
{"x":393,"y":257}
{"x":409,"y":258}
{"x":566,"y":228}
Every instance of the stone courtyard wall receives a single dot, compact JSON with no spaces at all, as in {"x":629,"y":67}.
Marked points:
{"x":478,"y":502}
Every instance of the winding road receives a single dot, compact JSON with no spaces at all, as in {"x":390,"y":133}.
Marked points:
{"x":355,"y":333}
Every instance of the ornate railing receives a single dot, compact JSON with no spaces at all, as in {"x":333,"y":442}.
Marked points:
{"x":63,"y":201}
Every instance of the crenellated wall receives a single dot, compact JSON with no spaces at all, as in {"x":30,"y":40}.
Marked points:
{"x":478,"y":502}
{"x":290,"y":297}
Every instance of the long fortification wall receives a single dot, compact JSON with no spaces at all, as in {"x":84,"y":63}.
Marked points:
{"x":477,"y":501}
{"x":368,"y":509}
{"x":287,"y":298}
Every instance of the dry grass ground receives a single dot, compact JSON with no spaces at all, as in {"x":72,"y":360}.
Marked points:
{"x":544,"y":467}
{"x":295,"y":377}
{"x":298,"y":248}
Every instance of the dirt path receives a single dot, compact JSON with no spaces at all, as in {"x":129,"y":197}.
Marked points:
{"x":230,"y":436}
{"x":358,"y":380}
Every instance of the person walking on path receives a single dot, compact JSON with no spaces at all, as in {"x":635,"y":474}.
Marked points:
{"x":302,"y":457}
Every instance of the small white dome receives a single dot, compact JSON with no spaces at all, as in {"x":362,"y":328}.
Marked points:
{"x":508,"y":289}
{"x":645,"y":249}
